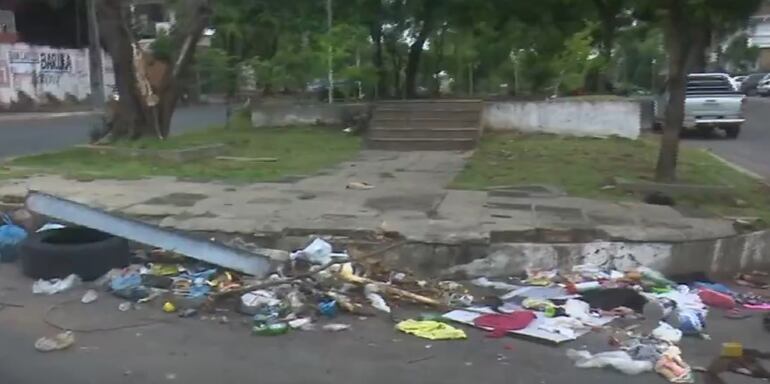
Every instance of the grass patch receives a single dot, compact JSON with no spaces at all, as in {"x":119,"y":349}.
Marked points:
{"x":583,"y":165}
{"x":300,"y":150}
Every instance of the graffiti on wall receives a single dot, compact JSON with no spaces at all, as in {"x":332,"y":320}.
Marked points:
{"x":43,"y":72}
{"x":55,"y":62}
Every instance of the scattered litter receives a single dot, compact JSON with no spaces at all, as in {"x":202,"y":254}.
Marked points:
{"x":188,"y":312}
{"x":303,"y":323}
{"x":333,"y":327}
{"x":124,"y":306}
{"x":501,"y":324}
{"x":50,"y":226}
{"x":619,"y":360}
{"x":89,"y":297}
{"x":10,"y":236}
{"x":673,"y":368}
{"x":667,"y":333}
{"x":274,"y":329}
{"x":432,"y":330}
{"x":169,"y":307}
{"x":54,"y":286}
{"x":486,"y":283}
{"x":359,"y":185}
{"x":378,"y":303}
{"x":59,"y":342}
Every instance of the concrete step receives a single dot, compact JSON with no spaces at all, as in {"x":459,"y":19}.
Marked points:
{"x":430,"y":105}
{"x":427,"y":113}
{"x":424,"y":133}
{"x":424,"y":122}
{"x":420,"y":144}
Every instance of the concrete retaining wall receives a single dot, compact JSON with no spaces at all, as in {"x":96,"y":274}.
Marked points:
{"x":303,"y":113}
{"x":41,"y":72}
{"x":718,"y":257}
{"x":576,"y":117}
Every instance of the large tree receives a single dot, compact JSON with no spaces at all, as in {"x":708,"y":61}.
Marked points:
{"x":145,"y":107}
{"x":687,"y":27}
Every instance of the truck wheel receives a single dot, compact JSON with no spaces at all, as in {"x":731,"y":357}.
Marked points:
{"x":732,"y":131}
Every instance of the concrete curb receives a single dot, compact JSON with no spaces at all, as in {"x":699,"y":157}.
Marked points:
{"x":22,"y":116}
{"x":723,"y":256}
{"x":739,"y":168}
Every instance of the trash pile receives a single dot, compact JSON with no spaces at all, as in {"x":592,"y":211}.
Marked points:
{"x":316,"y":285}
{"x":556,"y":306}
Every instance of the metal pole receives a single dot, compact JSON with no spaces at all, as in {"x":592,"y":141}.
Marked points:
{"x":95,"y":56}
{"x":330,"y":63}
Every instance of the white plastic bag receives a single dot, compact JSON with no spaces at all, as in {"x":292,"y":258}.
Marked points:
{"x":668,"y":333}
{"x":53,"y":286}
{"x":371,"y":292}
{"x":318,"y":252}
{"x":619,"y":360}
{"x":499,"y":285}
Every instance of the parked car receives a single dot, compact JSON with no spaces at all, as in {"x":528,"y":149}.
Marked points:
{"x":711,"y":102}
{"x":763,"y":88}
{"x":750,"y":83}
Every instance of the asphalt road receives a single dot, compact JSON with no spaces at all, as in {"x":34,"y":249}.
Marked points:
{"x":751,"y":149}
{"x":34,"y":135}
{"x":201,"y":351}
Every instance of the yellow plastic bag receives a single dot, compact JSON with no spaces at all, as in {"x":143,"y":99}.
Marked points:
{"x":433,"y":330}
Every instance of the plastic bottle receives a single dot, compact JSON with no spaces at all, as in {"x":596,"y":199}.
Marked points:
{"x":270,"y":329}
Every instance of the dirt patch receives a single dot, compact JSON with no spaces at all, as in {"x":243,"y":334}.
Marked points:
{"x":177,"y":199}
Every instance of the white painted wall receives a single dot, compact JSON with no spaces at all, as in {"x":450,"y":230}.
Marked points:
{"x":41,"y":70}
{"x":566,"y":117}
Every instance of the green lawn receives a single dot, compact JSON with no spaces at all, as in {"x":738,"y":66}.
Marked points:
{"x":582,"y":166}
{"x":300,"y":150}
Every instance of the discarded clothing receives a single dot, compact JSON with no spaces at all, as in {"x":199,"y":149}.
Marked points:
{"x":673,"y":368}
{"x":432,"y":330}
{"x":619,"y":360}
{"x":609,"y":299}
{"x":500,"y":324}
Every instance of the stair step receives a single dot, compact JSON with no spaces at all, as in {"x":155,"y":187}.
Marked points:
{"x":448,"y":133}
{"x":424,"y":122}
{"x":413,"y":144}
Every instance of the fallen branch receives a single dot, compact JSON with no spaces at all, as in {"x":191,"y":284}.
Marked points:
{"x":389,"y":289}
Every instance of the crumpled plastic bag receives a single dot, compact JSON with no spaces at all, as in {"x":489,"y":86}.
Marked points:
{"x":372,"y":294}
{"x":318,"y":252}
{"x":54,"y":286}
{"x":61,"y":341}
{"x":432,"y":330}
{"x":619,"y":360}
{"x":10,"y":236}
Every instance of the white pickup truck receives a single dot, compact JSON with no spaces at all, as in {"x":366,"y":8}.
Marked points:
{"x":712,"y":102}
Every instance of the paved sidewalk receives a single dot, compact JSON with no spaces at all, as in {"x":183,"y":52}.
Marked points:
{"x":409,"y":197}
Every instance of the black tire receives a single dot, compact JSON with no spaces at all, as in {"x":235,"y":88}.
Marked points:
{"x":60,"y":252}
{"x":732,"y":131}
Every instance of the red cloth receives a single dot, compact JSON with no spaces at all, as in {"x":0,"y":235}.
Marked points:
{"x":502,"y":323}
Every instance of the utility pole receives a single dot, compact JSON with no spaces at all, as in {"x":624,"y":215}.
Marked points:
{"x":329,"y":20}
{"x":95,"y":58}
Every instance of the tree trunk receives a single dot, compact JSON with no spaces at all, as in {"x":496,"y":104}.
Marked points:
{"x":415,"y":50}
{"x":608,"y":12}
{"x":677,"y":46}
{"x":375,"y":31}
{"x":439,"y":61}
{"x":391,"y":45}
{"x":135,"y":116}
{"x":129,"y":117}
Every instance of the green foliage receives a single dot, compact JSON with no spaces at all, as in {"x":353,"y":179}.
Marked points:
{"x":574,"y":62}
{"x":740,"y":56}
{"x":218,"y":71}
{"x":162,"y":48}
